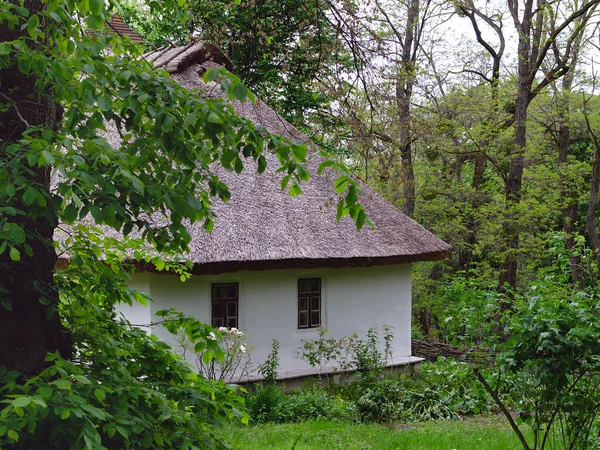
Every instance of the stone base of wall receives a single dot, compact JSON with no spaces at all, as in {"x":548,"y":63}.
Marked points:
{"x":295,"y":379}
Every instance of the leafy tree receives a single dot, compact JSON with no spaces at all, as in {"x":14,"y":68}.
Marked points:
{"x":282,"y":49}
{"x":96,"y":136}
{"x":549,"y":36}
{"x":550,"y":368}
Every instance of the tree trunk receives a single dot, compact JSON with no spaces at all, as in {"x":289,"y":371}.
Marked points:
{"x":590,"y":219}
{"x":569,"y":209}
{"x":404,"y":88}
{"x":29,"y":317}
{"x":513,"y":181}
{"x":465,"y":256}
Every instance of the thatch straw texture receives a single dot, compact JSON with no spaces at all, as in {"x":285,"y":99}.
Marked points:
{"x":261,"y":227}
{"x":119,"y":27}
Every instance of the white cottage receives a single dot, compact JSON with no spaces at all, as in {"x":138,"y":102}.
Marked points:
{"x":280,"y":267}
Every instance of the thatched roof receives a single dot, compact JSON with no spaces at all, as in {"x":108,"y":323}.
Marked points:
{"x":262,"y":227}
{"x":119,"y":27}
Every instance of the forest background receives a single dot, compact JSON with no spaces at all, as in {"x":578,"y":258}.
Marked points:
{"x":478,"y":119}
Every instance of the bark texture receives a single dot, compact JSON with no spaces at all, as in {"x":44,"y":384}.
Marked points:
{"x":29,"y":322}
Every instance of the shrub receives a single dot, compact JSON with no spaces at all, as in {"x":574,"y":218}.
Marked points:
{"x":388,"y":400}
{"x":456,"y":382}
{"x":380,"y":402}
{"x":315,"y":403}
{"x":220,"y":353}
{"x":263,"y":404}
{"x":441,"y":390}
{"x":348,"y":353}
{"x":269,"y":368}
{"x":551,"y":364}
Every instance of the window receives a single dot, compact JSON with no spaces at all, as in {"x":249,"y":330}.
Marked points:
{"x":224,"y":305}
{"x":309,"y":302}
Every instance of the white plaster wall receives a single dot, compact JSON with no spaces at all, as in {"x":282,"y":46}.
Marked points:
{"x":137,"y":313}
{"x":353,"y":300}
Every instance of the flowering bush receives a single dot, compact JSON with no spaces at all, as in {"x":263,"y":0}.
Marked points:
{"x":219,"y":354}
{"x":236,"y":363}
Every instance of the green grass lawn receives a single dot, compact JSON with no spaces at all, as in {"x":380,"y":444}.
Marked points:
{"x":489,"y":433}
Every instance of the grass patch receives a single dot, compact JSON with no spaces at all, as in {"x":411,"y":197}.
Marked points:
{"x":483,"y":433}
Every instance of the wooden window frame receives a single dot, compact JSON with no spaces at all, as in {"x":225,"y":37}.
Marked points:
{"x":226,"y":320}
{"x":310,"y":303}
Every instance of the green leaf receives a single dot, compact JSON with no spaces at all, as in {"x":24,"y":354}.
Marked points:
{"x":97,"y":214}
{"x":360,"y":220}
{"x":295,"y":189}
{"x":32,"y":24}
{"x":29,"y":195}
{"x":210,"y":75}
{"x":82,"y":379}
{"x":167,"y":125}
{"x":123,"y":431}
{"x":13,"y":435}
{"x":137,"y":184}
{"x":340,"y":212}
{"x":96,"y":6}
{"x":100,"y":394}
{"x":262,"y":164}
{"x":95,"y":22}
{"x":240,"y":92}
{"x":45,"y":391}
{"x":24,"y":66}
{"x":5,"y":48}
{"x":214,"y":118}
{"x":48,"y":157}
{"x":190,"y":119}
{"x":15,"y":254}
{"x":21,"y":402}
{"x":340,"y":184}
{"x":207,"y":357}
{"x":239,"y":165}
{"x":104,"y":104}
{"x":70,"y":213}
{"x":299,"y":151}
{"x":63,"y":384}
{"x":324,"y":165}
{"x":351,"y":197}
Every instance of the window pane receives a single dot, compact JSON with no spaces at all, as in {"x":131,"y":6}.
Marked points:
{"x":315,"y":303}
{"x":217,"y":322}
{"x":303,"y":319}
{"x":232,"y":322}
{"x":218,"y":310}
{"x":303,"y":304}
{"x":231,"y":290}
{"x":304,"y":286}
{"x":315,"y":285}
{"x":315,"y":318}
{"x":231,"y":309}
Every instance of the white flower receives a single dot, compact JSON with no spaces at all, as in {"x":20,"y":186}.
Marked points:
{"x":243,"y":348}
{"x":223,"y":329}
{"x":234,"y":329}
{"x":212,"y":336}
